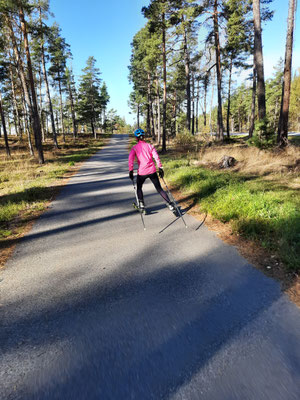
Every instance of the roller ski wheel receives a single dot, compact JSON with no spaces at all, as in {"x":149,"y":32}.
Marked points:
{"x":173,"y":209}
{"x":141,"y":210}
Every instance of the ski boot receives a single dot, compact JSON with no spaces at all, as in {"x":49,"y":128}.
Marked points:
{"x":172,"y":208}
{"x":140,"y":207}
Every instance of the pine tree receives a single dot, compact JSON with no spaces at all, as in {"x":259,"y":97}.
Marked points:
{"x":89,"y":96}
{"x":144,"y":61}
{"x":15,"y":13}
{"x":236,"y":49}
{"x":282,"y":136}
{"x":70,"y":83}
{"x":3,"y":72}
{"x":159,"y":13}
{"x":59,"y":52}
{"x":43,"y":32}
{"x":295,"y":102}
{"x":184,"y":13}
{"x":104,"y":102}
{"x":259,"y":62}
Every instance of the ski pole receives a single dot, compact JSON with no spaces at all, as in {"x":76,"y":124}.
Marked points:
{"x":174,"y":201}
{"x":137,"y":203}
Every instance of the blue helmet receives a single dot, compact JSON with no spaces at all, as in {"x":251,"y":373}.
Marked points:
{"x":139,"y":132}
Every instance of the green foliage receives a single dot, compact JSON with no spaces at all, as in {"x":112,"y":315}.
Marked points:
{"x":89,"y":95}
{"x":273,"y":95}
{"x":238,"y":43}
{"x":185,"y":139}
{"x":104,"y":96}
{"x":294,"y":117}
{"x":115,"y":122}
{"x":264,"y":136}
{"x":240,"y":107}
{"x":267,"y":211}
{"x":59,"y":52}
{"x":145,"y":60}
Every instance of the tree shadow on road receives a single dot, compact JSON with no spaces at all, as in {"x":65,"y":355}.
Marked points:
{"x":138,"y":332}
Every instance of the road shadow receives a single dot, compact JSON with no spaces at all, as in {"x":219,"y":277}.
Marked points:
{"x":159,"y":327}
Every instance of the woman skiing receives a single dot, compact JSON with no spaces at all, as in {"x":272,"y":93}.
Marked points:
{"x":145,"y":152}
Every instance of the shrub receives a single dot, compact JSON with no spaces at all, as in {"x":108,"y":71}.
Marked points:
{"x":185,"y":140}
{"x":263,"y":136}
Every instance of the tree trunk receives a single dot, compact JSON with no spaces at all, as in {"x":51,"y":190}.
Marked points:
{"x":187,"y":79}
{"x":15,"y":103}
{"x":154,"y":113}
{"x":46,"y":125}
{"x":35,"y":114}
{"x":41,"y":107}
{"x":259,"y":61}
{"x":54,"y":135}
{"x":56,"y":121}
{"x":73,"y":113}
{"x":205,"y":97}
{"x":152,"y":123}
{"x":148,"y":105}
{"x":229,"y":95}
{"x":138,"y":115}
{"x":93,"y":129}
{"x":282,"y":136}
{"x":174,"y":113}
{"x":211,"y":101}
{"x":218,"y":67}
{"x":164,"y":133}
{"x":193,"y":105}
{"x":27,"y":125}
{"x":276,"y":117}
{"x":26,"y":96}
{"x":61,"y":110}
{"x":4,"y":128}
{"x":197,"y":106}
{"x":158,"y":112}
{"x":252,"y":118}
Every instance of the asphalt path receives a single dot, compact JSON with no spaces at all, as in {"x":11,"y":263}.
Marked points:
{"x":94,"y":307}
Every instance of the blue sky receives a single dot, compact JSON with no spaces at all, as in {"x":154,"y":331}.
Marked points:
{"x":105,"y":28}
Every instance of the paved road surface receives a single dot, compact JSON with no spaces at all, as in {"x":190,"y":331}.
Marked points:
{"x":93,"y":307}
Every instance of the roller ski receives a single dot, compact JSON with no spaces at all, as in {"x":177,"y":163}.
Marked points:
{"x":140,"y":207}
{"x":138,"y":204}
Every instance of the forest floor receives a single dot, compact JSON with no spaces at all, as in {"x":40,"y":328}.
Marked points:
{"x":27,"y":188}
{"x":254,"y":205}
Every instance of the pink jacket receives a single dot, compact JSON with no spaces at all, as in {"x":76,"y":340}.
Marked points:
{"x":144,"y":152}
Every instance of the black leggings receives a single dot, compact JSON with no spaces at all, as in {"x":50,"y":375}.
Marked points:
{"x":154,"y":179}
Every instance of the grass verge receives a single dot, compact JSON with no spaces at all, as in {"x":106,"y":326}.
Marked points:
{"x":264,"y":210}
{"x":26,"y":188}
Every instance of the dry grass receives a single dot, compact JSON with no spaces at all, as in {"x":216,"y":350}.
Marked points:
{"x":26,"y":188}
{"x":253,"y":160}
{"x":259,"y":196}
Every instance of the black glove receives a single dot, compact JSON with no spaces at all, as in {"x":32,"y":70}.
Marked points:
{"x":161,"y":172}
{"x":131,"y":175}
